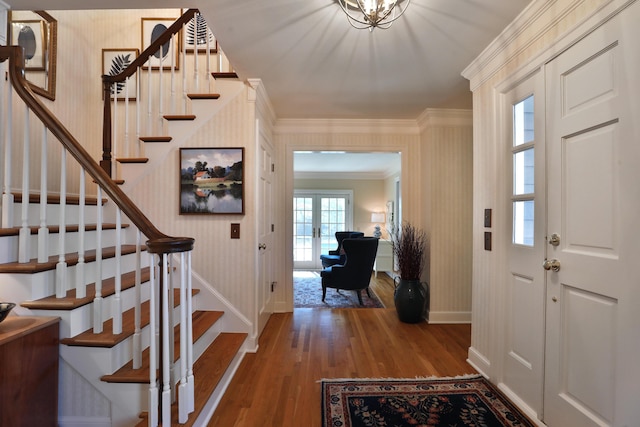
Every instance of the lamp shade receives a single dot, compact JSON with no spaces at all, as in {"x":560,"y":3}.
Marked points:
{"x":377,"y":217}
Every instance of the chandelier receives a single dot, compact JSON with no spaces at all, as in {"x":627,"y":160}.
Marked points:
{"x":372,"y":14}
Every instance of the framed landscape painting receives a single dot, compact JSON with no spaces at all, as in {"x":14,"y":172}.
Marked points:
{"x":211,"y":180}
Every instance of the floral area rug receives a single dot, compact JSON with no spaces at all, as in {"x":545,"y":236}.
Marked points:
{"x":440,"y":402}
{"x":307,"y":293}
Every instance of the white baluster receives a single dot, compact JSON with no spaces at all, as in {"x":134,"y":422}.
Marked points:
{"x":114,"y":132}
{"x":160,"y":90}
{"x":61,"y":267}
{"x":153,"y":348}
{"x":138,"y":114}
{"x":43,"y":231}
{"x":172,"y":99}
{"x":81,"y":286}
{"x":185,"y":89}
{"x":196,"y":80}
{"x":149,"y":107}
{"x":25,"y":232}
{"x":190,"y":377}
{"x":172,"y":336}
{"x":127,"y":145}
{"x":137,"y":335}
{"x":208,"y":59}
{"x":7,"y":197}
{"x":166,"y":362}
{"x":183,"y":403}
{"x":117,"y":296}
{"x":219,"y":59}
{"x":98,"y":300}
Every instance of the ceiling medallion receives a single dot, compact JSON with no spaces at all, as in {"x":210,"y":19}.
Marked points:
{"x":370,"y":14}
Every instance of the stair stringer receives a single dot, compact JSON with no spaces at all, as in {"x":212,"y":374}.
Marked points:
{"x":210,"y":298}
{"x":180,"y":131}
{"x":127,"y":400}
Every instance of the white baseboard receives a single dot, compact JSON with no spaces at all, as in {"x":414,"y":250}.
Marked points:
{"x":84,"y":422}
{"x":450,"y":317}
{"x":479,"y":362}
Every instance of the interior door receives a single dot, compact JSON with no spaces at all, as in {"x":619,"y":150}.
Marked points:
{"x":593,"y":289}
{"x":524,"y":330}
{"x":316,"y":218}
{"x":265,"y":229}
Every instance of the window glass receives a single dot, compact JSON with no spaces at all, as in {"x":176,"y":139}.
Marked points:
{"x":523,"y":122}
{"x":523,"y":222}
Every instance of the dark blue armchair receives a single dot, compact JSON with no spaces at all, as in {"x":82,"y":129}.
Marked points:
{"x":335,"y":256}
{"x":355,"y":274}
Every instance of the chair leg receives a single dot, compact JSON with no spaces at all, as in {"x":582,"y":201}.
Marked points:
{"x":359,"y":292}
{"x":324,"y":292}
{"x":368,"y":294}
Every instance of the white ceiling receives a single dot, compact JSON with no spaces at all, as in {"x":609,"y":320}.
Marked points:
{"x":313,"y":64}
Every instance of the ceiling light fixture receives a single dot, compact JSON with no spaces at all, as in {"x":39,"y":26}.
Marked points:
{"x":372,"y":14}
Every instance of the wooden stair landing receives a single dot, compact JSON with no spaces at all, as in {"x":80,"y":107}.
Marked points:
{"x":208,"y":371}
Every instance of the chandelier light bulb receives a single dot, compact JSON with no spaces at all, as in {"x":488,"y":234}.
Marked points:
{"x":370,"y":14}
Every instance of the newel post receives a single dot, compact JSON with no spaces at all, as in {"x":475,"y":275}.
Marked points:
{"x":105,"y":163}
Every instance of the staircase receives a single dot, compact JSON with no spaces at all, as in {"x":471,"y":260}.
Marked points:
{"x":132,"y":326}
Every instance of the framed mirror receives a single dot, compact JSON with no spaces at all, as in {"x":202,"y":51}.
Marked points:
{"x":37,"y":33}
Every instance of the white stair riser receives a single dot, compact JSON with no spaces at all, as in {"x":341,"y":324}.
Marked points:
{"x":76,"y":321}
{"x":42,"y":284}
{"x":9,"y":245}
{"x":53,"y":214}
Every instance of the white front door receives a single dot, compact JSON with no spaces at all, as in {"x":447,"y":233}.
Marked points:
{"x":592,"y":372}
{"x":523,"y":354}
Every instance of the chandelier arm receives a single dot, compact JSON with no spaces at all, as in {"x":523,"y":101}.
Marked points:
{"x":350,"y":18}
{"x":383,"y":22}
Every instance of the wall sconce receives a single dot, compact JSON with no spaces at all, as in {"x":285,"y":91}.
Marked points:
{"x":377,"y":217}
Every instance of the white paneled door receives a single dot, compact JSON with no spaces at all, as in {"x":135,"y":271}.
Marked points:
{"x":523,"y":354}
{"x":592,"y":373}
{"x":265,"y":228}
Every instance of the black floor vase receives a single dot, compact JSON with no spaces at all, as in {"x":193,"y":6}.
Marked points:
{"x":411,"y":298}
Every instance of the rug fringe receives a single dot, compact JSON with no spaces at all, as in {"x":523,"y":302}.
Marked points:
{"x":433,"y":377}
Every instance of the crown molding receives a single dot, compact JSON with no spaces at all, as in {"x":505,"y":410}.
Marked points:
{"x":354,"y":126}
{"x":444,"y":117}
{"x":258,"y":93}
{"x":537,"y":18}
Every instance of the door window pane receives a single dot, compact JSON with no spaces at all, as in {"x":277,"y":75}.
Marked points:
{"x":523,"y":172}
{"x":523,"y":122}
{"x":523,"y":222}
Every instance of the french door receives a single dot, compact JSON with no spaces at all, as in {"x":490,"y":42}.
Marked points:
{"x":317,"y":215}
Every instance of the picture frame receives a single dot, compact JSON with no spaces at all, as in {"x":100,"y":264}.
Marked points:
{"x":211,"y":180}
{"x":196,"y":32}
{"x":114,"y":61}
{"x":31,"y":35}
{"x":151,"y":28}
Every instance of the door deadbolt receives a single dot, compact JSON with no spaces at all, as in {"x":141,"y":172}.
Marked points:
{"x":551,"y":264}
{"x":554,"y":240}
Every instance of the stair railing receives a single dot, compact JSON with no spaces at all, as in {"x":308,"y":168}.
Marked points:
{"x":158,"y":244}
{"x":161,"y":90}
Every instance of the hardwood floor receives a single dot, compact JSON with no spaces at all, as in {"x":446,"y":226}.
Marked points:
{"x":279,"y":385}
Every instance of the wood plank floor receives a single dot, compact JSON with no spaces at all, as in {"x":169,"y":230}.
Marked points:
{"x":278,"y":385}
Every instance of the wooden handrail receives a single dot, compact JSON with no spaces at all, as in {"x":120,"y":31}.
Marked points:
{"x":158,"y":242}
{"x":108,"y":81}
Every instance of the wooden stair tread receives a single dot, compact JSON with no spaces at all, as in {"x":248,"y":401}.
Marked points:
{"x":208,"y":371}
{"x":224,"y":75}
{"x":203,"y":95}
{"x":33,"y":266}
{"x":155,"y":138}
{"x":202,"y":321}
{"x":173,"y":117}
{"x":54,"y":199}
{"x":106,"y":338}
{"x":132,"y":160}
{"x":70,"y":302}
{"x":70,"y":228}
